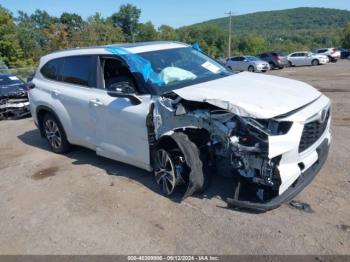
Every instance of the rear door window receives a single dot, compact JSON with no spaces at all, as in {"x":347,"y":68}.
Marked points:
{"x":80,"y":70}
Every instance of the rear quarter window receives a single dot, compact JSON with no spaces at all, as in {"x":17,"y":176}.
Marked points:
{"x":52,"y":69}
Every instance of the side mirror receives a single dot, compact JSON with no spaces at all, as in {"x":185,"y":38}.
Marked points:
{"x":134,"y":99}
{"x":124,"y":89}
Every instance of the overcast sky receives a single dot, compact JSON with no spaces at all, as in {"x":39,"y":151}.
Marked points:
{"x":172,"y":12}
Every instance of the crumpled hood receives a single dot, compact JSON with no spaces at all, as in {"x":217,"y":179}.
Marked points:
{"x":252,"y":95}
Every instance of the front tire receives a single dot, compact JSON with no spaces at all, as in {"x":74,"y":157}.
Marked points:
{"x":251,"y":69}
{"x":290,"y":64}
{"x":315,"y":62}
{"x":179,"y":162}
{"x":164,"y":171}
{"x":55,"y":134}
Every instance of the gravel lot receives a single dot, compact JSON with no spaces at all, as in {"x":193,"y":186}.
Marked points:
{"x":85,"y":204}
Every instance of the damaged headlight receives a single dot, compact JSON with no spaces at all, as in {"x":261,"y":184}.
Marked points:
{"x":270,"y":127}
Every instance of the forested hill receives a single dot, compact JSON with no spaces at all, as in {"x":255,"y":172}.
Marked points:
{"x":303,"y":18}
{"x":301,"y":28}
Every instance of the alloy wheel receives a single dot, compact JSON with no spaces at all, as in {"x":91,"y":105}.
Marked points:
{"x":164,"y":171}
{"x":53,"y":134}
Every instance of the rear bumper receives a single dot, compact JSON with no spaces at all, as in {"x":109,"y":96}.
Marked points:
{"x":304,"y":180}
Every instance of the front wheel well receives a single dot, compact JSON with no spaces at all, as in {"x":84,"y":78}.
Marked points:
{"x":199,"y":136}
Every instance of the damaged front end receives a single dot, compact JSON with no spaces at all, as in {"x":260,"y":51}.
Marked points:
{"x":229,"y":144}
{"x":14,"y":105}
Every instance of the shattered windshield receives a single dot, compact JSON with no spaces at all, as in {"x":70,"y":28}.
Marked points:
{"x":181,"y":67}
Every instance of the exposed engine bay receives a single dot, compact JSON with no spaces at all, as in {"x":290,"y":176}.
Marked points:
{"x":232,"y":145}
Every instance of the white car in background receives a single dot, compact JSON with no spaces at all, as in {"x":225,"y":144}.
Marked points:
{"x":247,"y":63}
{"x":306,"y":58}
{"x":332,"y":53}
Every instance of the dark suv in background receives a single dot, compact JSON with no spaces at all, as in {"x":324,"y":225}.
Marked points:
{"x":274,"y":59}
{"x":344,"y":53}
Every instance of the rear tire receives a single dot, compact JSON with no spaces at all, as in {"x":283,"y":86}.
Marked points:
{"x":55,"y":134}
{"x":272,"y":65}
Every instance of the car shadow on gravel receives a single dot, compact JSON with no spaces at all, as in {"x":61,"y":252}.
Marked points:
{"x":220,"y":187}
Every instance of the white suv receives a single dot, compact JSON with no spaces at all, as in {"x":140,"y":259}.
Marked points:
{"x":168,"y":108}
{"x":332,"y":53}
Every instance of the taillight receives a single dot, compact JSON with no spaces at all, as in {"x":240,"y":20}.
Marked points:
{"x":279,"y":58}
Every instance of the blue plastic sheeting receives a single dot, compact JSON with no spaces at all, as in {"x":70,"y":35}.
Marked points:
{"x":137,"y":64}
{"x":197,"y":47}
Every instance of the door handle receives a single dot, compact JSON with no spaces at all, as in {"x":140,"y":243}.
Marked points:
{"x":96,"y":102}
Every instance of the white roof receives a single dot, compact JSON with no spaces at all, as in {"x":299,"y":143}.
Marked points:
{"x":101,"y":50}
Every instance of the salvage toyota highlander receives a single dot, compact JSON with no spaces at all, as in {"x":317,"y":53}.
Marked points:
{"x":168,"y":108}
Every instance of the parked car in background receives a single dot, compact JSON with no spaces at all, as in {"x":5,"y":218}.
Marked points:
{"x":274,"y":59}
{"x":344,"y":53}
{"x":306,"y":58}
{"x":332,"y":53}
{"x":247,"y":63}
{"x":14,"y":101}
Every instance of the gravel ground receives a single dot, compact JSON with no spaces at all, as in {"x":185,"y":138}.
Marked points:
{"x":84,"y":204}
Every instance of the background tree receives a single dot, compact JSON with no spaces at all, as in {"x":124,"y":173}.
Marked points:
{"x":41,"y":19}
{"x":346,"y":36}
{"x":72,"y":21}
{"x":167,"y":33}
{"x":10,"y":51}
{"x":31,"y":39}
{"x":252,"y":44}
{"x":99,"y":31}
{"x":146,"y":32}
{"x":56,"y":37}
{"x":127,"y":18}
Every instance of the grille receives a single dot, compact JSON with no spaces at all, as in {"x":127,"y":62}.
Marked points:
{"x":312,"y":132}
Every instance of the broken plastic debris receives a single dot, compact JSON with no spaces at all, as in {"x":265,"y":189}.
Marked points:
{"x":301,"y":206}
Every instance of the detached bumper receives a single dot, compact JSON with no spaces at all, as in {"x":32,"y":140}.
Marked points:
{"x":304,"y":179}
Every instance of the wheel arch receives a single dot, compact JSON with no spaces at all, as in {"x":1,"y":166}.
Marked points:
{"x":196,"y":135}
{"x":41,"y":111}
{"x":315,"y":59}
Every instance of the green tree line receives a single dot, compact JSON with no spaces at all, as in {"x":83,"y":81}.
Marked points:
{"x":24,"y":38}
